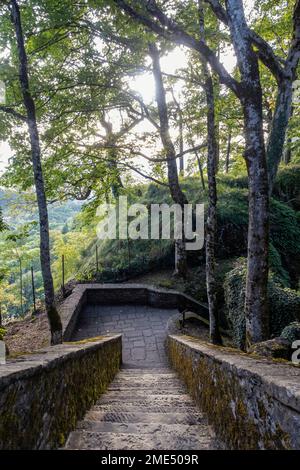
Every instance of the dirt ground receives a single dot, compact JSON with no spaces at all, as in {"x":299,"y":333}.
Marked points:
{"x":27,"y":335}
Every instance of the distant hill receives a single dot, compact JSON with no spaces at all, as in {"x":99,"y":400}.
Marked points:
{"x":17,"y":212}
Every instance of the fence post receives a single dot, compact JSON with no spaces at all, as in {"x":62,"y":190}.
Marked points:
{"x":63,"y":274}
{"x":33,"y":291}
{"x":21,"y":285}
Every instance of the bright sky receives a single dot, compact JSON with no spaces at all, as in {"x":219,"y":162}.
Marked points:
{"x":170,"y":63}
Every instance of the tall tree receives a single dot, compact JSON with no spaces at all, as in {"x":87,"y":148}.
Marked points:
{"x":228,"y":151}
{"x":285,"y":77}
{"x":249,"y":92}
{"x":53,"y":316}
{"x":256,"y":306}
{"x":212,"y":163}
{"x":176,"y":192}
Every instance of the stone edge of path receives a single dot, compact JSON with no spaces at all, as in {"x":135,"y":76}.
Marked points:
{"x":252,"y":402}
{"x":118,"y":294}
{"x":43,"y":395}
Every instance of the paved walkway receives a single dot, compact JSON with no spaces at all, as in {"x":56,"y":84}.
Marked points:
{"x":143,"y":329}
{"x":146,"y":406}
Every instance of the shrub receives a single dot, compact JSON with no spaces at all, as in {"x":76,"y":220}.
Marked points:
{"x":234,"y":291}
{"x":284,"y":304}
{"x":291,"y":332}
{"x":232,"y":231}
{"x":287,"y":185}
{"x":2,"y":333}
{"x":280,"y":274}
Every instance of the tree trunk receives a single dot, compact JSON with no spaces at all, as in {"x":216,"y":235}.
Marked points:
{"x":256,"y":305}
{"x":110,"y":142}
{"x":283,"y":108}
{"x":228,"y":151}
{"x":277,"y":136}
{"x":211,"y":224}
{"x":180,"y":128}
{"x":181,"y":159}
{"x":21,"y":286}
{"x":177,"y":195}
{"x":200,"y":170}
{"x":53,"y":316}
{"x":116,"y":183}
{"x":287,"y":154}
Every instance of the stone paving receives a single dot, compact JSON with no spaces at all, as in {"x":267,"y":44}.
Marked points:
{"x":146,"y":406}
{"x":143,"y":329}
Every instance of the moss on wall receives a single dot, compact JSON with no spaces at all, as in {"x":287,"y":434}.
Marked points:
{"x":39,"y":410}
{"x":243,"y":413}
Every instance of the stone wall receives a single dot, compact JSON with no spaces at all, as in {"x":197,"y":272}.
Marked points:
{"x":118,"y":294}
{"x":253,"y":403}
{"x":43,"y":395}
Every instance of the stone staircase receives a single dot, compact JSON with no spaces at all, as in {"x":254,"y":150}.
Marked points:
{"x":145,"y":409}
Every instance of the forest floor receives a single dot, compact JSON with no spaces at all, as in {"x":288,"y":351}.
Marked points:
{"x":32,"y":332}
{"x":27,"y":335}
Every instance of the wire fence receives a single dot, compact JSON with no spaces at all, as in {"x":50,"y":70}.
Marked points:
{"x":115,"y":263}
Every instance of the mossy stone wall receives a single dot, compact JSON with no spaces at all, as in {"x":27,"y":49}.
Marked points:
{"x":120,"y":294}
{"x":252,"y":403}
{"x":42,"y":396}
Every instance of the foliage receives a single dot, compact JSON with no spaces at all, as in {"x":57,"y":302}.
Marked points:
{"x":84,"y":58}
{"x":284,"y":304}
{"x":2,"y":333}
{"x":287,"y":186}
{"x":21,"y":242}
{"x":3,"y":225}
{"x":291,"y":332}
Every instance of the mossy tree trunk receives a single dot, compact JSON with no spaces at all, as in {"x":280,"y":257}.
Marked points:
{"x":228,"y":152}
{"x":212,"y":163}
{"x":256,"y":304}
{"x":53,"y":316}
{"x":283,"y":109}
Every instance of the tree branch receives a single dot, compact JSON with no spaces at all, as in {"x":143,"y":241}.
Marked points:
{"x":294,"y":52}
{"x":265,"y":51}
{"x":14,"y":113}
{"x":170,"y":30}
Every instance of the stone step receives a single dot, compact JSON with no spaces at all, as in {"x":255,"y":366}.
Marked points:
{"x":190,"y":440}
{"x":138,"y":378}
{"x":146,"y":384}
{"x":146,"y":409}
{"x":176,"y":400}
{"x":146,"y":371}
{"x":140,"y":417}
{"x":143,"y":428}
{"x":117,"y":407}
{"x":147,"y":379}
{"x":144,"y":391}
